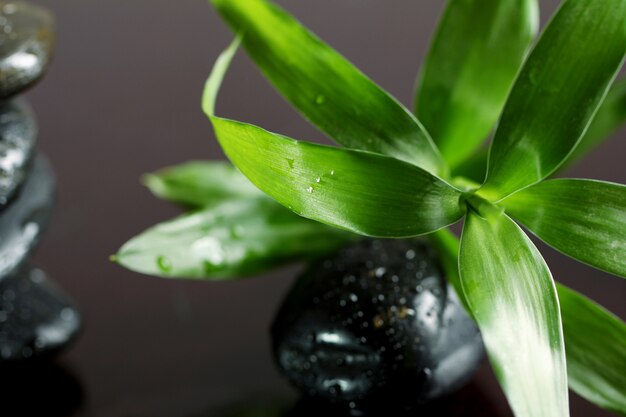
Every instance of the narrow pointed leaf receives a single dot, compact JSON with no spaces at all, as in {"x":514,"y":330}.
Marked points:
{"x":476,"y":54}
{"x":218,"y":72}
{"x":234,"y":238}
{"x":595,"y":339}
{"x":200,"y":184}
{"x":512,"y":296}
{"x":595,"y":342}
{"x":333,"y":94}
{"x":585,"y":219}
{"x":556,"y":94}
{"x":610,"y":116}
{"x":363,"y":192}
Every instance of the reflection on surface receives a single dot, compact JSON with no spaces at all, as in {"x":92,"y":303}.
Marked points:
{"x":39,"y":389}
{"x":469,"y":401}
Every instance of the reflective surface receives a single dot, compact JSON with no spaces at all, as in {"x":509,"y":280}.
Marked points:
{"x":121,"y":99}
{"x":18,"y":137}
{"x":25,"y":45}
{"x":376,"y":323}
{"x":36,"y":318}
{"x":23,"y":221}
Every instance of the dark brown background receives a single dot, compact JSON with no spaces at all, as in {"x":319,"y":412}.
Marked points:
{"x":121,"y":99}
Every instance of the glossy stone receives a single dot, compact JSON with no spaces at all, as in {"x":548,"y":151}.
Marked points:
{"x":18,"y":137}
{"x":36,"y":318}
{"x":23,"y":220}
{"x":377,"y":321}
{"x":26,"y":44}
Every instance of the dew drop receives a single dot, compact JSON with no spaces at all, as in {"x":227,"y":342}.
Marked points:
{"x":320,"y":99}
{"x":164,"y":263}
{"x":309,"y":189}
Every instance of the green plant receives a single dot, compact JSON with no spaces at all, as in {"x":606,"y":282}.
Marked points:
{"x":397,"y":177}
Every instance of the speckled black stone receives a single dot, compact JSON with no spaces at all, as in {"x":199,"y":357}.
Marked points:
{"x":26,"y":46}
{"x":18,"y":137}
{"x":376,"y":322}
{"x":23,"y":221}
{"x":36,"y":318}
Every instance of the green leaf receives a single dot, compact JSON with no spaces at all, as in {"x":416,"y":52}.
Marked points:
{"x":556,"y":94}
{"x":367,"y":193}
{"x":214,"y":82}
{"x":610,"y":116}
{"x":512,"y":296}
{"x":230,"y":239}
{"x":595,"y":339}
{"x":200,"y":184}
{"x":595,"y":342}
{"x":585,"y":219}
{"x":329,"y":91}
{"x":476,"y":53}
{"x":363,"y":192}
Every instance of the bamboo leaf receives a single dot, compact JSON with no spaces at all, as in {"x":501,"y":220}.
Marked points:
{"x":233,"y":238}
{"x":512,"y":296}
{"x":200,"y":184}
{"x":325,"y":87}
{"x":610,"y":116}
{"x":595,"y":342}
{"x":476,"y":53}
{"x":584,"y":219}
{"x":556,"y":94}
{"x":595,"y":339}
{"x":363,"y":192}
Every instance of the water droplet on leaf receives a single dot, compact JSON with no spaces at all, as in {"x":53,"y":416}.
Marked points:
{"x":163,"y":263}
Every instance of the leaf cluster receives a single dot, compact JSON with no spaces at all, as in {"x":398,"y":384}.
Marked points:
{"x":545,"y":100}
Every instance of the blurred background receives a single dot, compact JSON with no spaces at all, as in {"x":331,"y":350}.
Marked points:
{"x":122,"y":99}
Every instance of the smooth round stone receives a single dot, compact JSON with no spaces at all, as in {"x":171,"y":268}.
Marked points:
{"x":23,"y":220}
{"x":376,"y":322}
{"x":18,"y":137}
{"x":36,"y":317}
{"x":26,"y":45}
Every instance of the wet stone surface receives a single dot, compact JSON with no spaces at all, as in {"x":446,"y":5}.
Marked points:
{"x":26,"y":44}
{"x":36,"y":318}
{"x":376,"y":322}
{"x":23,"y":220}
{"x":18,"y":137}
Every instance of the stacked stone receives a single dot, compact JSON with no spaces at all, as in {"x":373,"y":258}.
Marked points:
{"x":36,"y":317}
